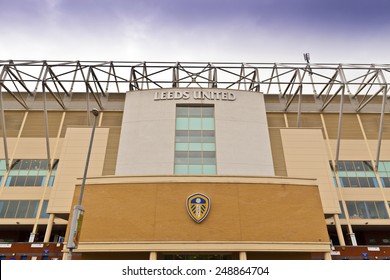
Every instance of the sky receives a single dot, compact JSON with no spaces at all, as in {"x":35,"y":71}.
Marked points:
{"x":332,"y":31}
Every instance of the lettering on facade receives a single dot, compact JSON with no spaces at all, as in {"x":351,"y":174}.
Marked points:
{"x":197,"y":95}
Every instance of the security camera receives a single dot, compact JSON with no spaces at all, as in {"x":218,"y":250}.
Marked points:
{"x":95,"y":112}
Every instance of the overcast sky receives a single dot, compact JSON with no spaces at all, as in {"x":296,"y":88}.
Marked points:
{"x":347,"y":31}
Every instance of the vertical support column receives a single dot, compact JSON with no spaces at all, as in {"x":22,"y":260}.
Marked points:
{"x":49,"y":228}
{"x":339,"y":230}
{"x":153,"y":256}
{"x":2,"y":115}
{"x":327,"y":256}
{"x":243,"y":256}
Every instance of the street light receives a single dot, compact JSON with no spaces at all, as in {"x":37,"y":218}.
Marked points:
{"x":78,"y":210}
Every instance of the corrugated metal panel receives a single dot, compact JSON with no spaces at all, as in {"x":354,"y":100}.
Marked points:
{"x":74,"y":119}
{"x":13,"y":121}
{"x":112,"y":119}
{"x":111,"y":151}
{"x":276,"y":120}
{"x":35,"y":124}
{"x":350,"y":126}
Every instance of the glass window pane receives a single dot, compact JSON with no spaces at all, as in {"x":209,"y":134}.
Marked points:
{"x":195,"y":124}
{"x":340,"y":166}
{"x":380,"y":205}
{"x":367,"y":166}
{"x":362,"y":209}
{"x":195,"y":146}
{"x":208,"y":112}
{"x":195,"y":112}
{"x":349,"y":165}
{"x":20,"y":180}
{"x":30,"y":181}
{"x":371,"y":210}
{"x":182,"y":124}
{"x":352,"y":211}
{"x":342,"y":215}
{"x":208,"y":147}
{"x":181,"y":157}
{"x":41,"y":180}
{"x":44,"y":215}
{"x":16,"y":164}
{"x":22,"y":210}
{"x":209,"y":169}
{"x":181,"y":146}
{"x":387,"y":165}
{"x":195,"y":136}
{"x":195,"y":169}
{"x":32,"y":209}
{"x":25,"y":164}
{"x":51,"y":181}
{"x":2,"y":165}
{"x":381,"y":166}
{"x":353,"y":182}
{"x":44,"y":164}
{"x":363,"y":181}
{"x":181,"y":169}
{"x":208,"y":124}
{"x":12,"y":208}
{"x":3,"y":207}
{"x":181,"y":135}
{"x":35,"y":164}
{"x":358,"y":165}
{"x":182,"y":112}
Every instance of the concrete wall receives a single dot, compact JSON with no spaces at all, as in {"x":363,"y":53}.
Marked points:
{"x":147,"y":142}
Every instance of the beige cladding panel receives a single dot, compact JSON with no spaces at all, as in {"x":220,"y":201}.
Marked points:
{"x":72,"y":163}
{"x":147,"y":141}
{"x":351,"y":149}
{"x":306,"y":157}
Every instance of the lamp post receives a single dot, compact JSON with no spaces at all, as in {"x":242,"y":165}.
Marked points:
{"x":78,"y":210}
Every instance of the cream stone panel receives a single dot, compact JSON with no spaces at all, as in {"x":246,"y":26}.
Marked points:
{"x":306,"y":156}
{"x":385,"y":149}
{"x":74,"y":149}
{"x":22,"y":193}
{"x":366,"y":194}
{"x":147,"y":141}
{"x":351,"y":149}
{"x":11,"y":144}
{"x":387,"y":194}
{"x":33,"y":148}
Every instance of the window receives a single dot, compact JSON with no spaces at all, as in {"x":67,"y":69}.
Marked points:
{"x":195,"y":140}
{"x":355,"y":174}
{"x":22,"y":209}
{"x":3,"y":169}
{"x":384,"y":173}
{"x":30,"y":173}
{"x":367,"y":210}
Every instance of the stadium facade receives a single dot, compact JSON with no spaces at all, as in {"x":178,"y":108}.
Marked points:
{"x":195,"y":160}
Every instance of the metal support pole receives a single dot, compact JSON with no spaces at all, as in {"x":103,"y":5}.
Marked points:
{"x":2,"y":115}
{"x":49,"y":228}
{"x":381,"y":124}
{"x":339,"y":229}
{"x":78,"y":211}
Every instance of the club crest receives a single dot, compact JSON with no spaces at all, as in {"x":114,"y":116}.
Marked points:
{"x":198,"y":206}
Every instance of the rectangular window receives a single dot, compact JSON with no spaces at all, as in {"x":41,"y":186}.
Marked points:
{"x":355,"y":174}
{"x":22,"y":209}
{"x":367,"y":210}
{"x":30,"y":173}
{"x":195,"y":151}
